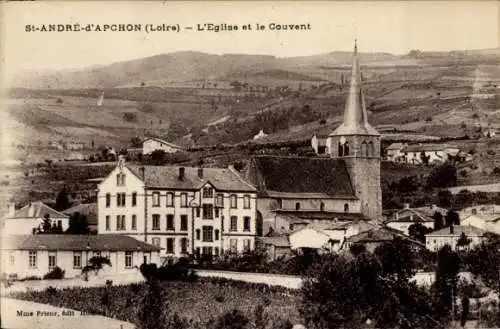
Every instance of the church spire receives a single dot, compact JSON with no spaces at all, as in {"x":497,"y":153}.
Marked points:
{"x":355,"y":116}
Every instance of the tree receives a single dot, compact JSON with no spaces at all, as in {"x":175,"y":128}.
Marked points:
{"x":130,"y":116}
{"x":443,"y":176}
{"x":438,"y":220}
{"x":452,"y":218}
{"x":463,"y":240}
{"x":399,"y":249}
{"x":418,"y":231}
{"x":445,"y":197}
{"x":483,"y":261}
{"x":46,"y":225}
{"x":446,"y":280}
{"x":136,"y":141}
{"x":78,"y":224}
{"x":62,"y":200}
{"x":152,"y":308}
{"x":158,"y":157}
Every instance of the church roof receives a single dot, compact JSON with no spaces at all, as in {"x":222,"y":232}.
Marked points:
{"x":355,"y":115}
{"x":301,"y":176}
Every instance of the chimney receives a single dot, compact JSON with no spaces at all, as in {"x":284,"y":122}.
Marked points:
{"x":181,"y":173}
{"x":452,"y":229}
{"x":200,"y":173}
{"x":141,"y":171}
{"x":31,"y":210}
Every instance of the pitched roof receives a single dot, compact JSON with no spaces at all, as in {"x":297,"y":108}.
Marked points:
{"x":87,"y":209}
{"x":395,"y":146}
{"x":280,"y":174}
{"x":67,"y":242}
{"x":355,"y":115}
{"x":373,"y":235}
{"x":40,"y":209}
{"x":414,"y":216}
{"x":159,"y":140}
{"x":224,"y":179}
{"x":458,"y":230}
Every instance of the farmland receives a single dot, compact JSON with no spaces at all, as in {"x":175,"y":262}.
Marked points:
{"x":199,"y":302}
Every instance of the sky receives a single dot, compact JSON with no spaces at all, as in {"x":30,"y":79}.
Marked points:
{"x":379,"y":26}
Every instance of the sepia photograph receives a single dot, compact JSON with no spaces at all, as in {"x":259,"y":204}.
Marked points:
{"x":250,"y":164}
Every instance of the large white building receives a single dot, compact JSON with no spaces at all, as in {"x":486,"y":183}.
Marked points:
{"x":37,"y":254}
{"x":197,"y":211}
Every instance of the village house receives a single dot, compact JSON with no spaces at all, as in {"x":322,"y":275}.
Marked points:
{"x":275,"y":247}
{"x":74,"y":146}
{"x":342,"y":185}
{"x":36,"y":255}
{"x":402,"y":219}
{"x":31,"y":216}
{"x":450,"y":236}
{"x":394,"y":152}
{"x":151,"y":144}
{"x":200,"y":211}
{"x":435,"y":153}
{"x":372,"y":238}
{"x":489,"y":223}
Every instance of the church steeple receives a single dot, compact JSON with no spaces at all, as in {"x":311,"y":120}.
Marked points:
{"x":355,"y":116}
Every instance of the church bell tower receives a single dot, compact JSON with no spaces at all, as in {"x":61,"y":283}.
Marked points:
{"x":357,"y":143}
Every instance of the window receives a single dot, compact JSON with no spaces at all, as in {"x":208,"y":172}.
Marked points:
{"x":32,"y":259}
{"x":246,"y":202}
{"x":134,"y":222}
{"x":156,"y":242}
{"x":170,"y":245}
{"x":346,"y":207}
{"x":208,"y":192}
{"x":197,"y":252}
{"x":134,"y":199}
{"x":197,"y":212}
{"x":108,"y":200}
{"x":246,"y":245}
{"x":156,"y":199}
{"x":208,"y":211}
{"x":322,"y":206}
{"x":170,"y":199}
{"x":170,"y":223}
{"x":216,"y":251}
{"x":156,"y":222}
{"x":184,"y":222}
{"x":52,"y":259}
{"x":246,"y":224}
{"x":219,"y":200}
{"x":120,"y":199}
{"x":120,"y":222}
{"x":234,"y":224}
{"x":197,"y":234}
{"x":108,"y":223}
{"x":11,"y":259}
{"x":364,"y":149}
{"x":120,"y":179}
{"x":128,"y":259}
{"x":233,"y":245}
{"x":371,"y":148}
{"x":216,"y":235}
{"x":234,"y":200}
{"x":343,"y":148}
{"x":183,"y":200}
{"x":184,"y":245}
{"x":216,"y":212}
{"x":297,"y":206}
{"x":208,"y":234}
{"x":77,"y":259}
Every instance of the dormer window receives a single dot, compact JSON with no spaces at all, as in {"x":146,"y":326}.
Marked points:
{"x":346,"y":207}
{"x":297,"y":206}
{"x":208,"y":192}
{"x":322,"y":206}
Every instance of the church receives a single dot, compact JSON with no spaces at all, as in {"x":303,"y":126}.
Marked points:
{"x":340,"y":186}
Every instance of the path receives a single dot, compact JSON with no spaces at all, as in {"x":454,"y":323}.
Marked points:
{"x":53,"y":317}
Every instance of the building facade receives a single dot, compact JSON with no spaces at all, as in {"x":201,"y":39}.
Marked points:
{"x":26,"y":256}
{"x":451,"y":235}
{"x":186,"y":211}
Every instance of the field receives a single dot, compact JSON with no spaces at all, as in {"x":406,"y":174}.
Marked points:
{"x":198,"y":301}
